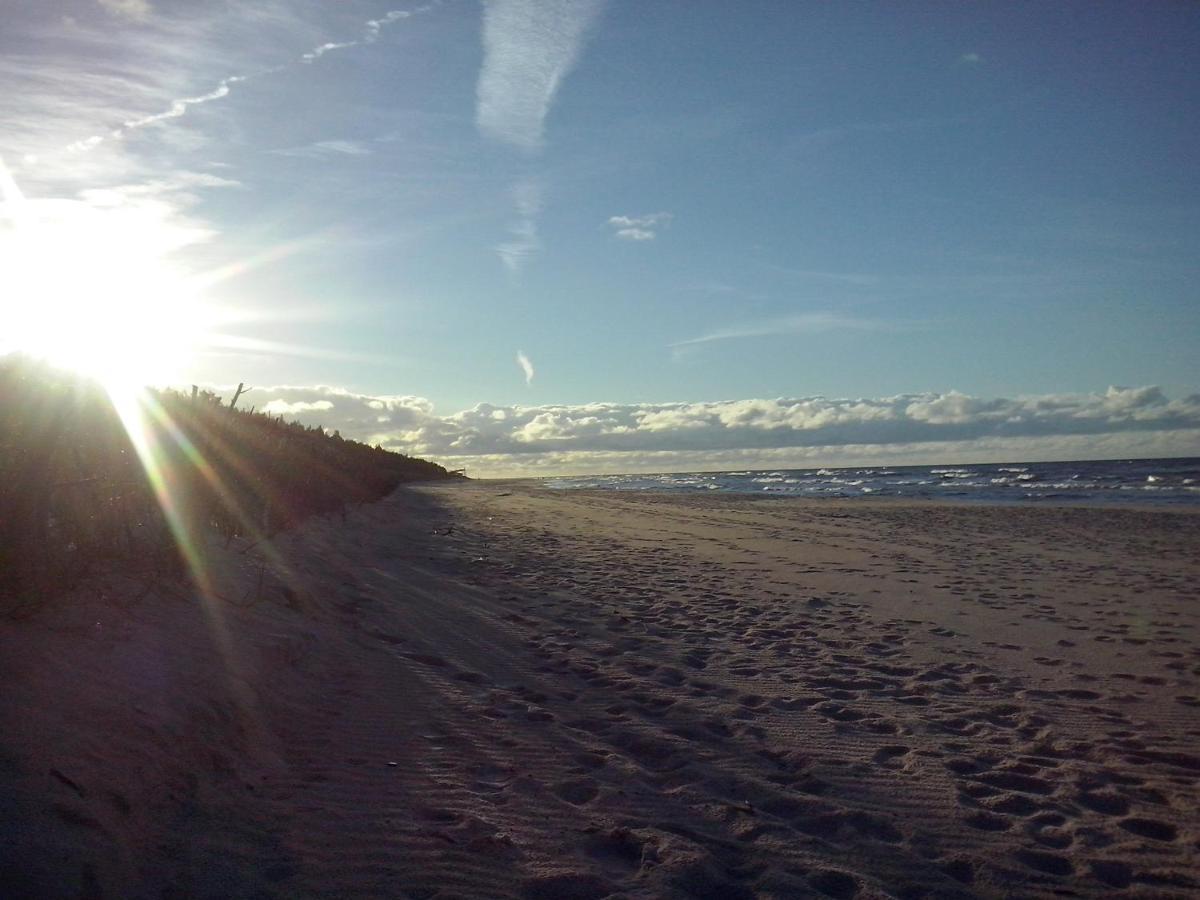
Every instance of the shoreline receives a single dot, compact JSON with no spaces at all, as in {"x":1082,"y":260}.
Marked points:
{"x":491,"y":689}
{"x":537,"y":484}
{"x":1166,"y":483}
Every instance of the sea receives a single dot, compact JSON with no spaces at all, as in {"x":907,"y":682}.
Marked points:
{"x":1145,"y":482}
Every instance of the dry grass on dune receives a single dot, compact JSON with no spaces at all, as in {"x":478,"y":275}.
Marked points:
{"x":76,"y":492}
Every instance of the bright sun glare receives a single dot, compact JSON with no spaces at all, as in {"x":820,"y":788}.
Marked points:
{"x":91,"y":287}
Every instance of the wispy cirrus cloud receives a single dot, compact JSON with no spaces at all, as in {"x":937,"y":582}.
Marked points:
{"x":523,"y":242}
{"x":529,"y":48}
{"x":371,"y":31}
{"x":103,"y":139}
{"x":73,"y":110}
{"x":326,"y":149}
{"x":317,"y":52}
{"x":129,"y":9}
{"x":526,"y":366}
{"x":639,"y":228}
{"x":803,"y":323}
{"x":375,"y":26}
{"x":179,"y":106}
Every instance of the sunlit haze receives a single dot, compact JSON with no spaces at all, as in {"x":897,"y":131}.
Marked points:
{"x":532,"y":237}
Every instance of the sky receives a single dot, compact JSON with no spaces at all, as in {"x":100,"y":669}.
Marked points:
{"x":566,"y":236}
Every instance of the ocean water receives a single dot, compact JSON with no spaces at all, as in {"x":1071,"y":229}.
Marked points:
{"x":1157,"y":482}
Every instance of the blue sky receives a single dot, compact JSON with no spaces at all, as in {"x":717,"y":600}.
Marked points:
{"x":672,"y":210}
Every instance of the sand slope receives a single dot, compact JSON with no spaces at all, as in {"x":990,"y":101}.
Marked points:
{"x":491,"y":691}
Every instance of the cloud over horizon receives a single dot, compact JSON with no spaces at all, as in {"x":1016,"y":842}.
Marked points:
{"x":527,"y":437}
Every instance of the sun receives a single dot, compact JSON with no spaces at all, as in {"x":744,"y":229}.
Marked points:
{"x":124,"y":320}
{"x":93,"y":287}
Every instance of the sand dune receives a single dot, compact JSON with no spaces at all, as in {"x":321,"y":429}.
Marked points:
{"x":497,"y":691}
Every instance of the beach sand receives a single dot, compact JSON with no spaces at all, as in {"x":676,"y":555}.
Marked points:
{"x":496,"y":690}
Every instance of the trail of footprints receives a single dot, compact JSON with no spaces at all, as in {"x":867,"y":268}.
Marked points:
{"x":776,"y":724}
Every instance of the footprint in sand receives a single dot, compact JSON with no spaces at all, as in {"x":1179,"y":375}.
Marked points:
{"x":1114,"y":873}
{"x":833,"y":883}
{"x":619,"y":848}
{"x":566,"y":886}
{"x":891,"y":757}
{"x":577,"y":791}
{"x":1150,"y":828}
{"x":1050,"y":863}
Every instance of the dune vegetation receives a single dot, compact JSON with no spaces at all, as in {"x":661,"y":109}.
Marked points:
{"x":87,"y":482}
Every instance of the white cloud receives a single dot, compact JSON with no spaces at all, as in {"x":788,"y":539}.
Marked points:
{"x":804,"y":323}
{"x":346,"y":148}
{"x":317,"y":52}
{"x":278,"y":407}
{"x":526,"y":366}
{"x":137,"y":10}
{"x":515,"y":253}
{"x":375,"y":26}
{"x":355,"y":415}
{"x":524,"y":244}
{"x":529,"y":48}
{"x":970,"y":59}
{"x":1126,"y":445}
{"x":639,"y":228}
{"x":178,"y":107}
{"x":643,"y":436}
{"x":326,"y":149}
{"x":150,"y":217}
{"x":371,"y":31}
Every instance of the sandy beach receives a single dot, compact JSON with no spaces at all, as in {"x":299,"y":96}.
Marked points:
{"x":496,"y":690}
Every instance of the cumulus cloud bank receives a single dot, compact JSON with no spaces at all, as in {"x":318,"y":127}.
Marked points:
{"x":278,"y":407}
{"x":529,"y":437}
